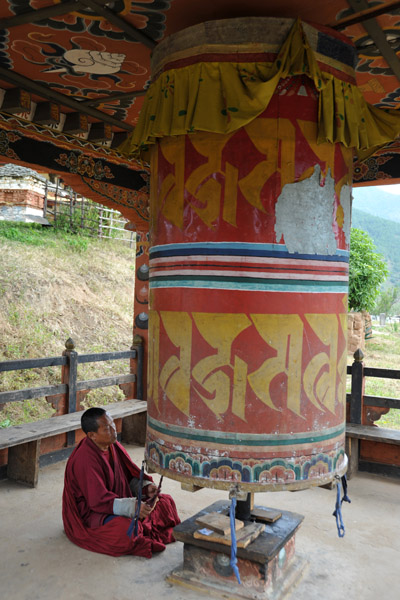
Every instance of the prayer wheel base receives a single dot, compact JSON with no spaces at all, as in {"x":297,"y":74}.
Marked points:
{"x":268,"y":567}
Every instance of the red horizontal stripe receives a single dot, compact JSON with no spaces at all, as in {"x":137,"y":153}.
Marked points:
{"x":246,"y":266}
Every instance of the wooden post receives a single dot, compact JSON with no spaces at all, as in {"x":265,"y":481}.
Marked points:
{"x":23,"y":463}
{"x":134,"y":426}
{"x":70,"y":374}
{"x":55,"y":199}
{"x":357,"y":380}
{"x":45,"y":199}
{"x":82,"y":211}
{"x":356,"y":410}
{"x":244,"y":507}
{"x":101,"y":223}
{"x":111,"y":221}
{"x":71,"y":209}
{"x":138,"y":346}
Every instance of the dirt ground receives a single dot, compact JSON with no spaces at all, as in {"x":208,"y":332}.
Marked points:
{"x":38,"y":562}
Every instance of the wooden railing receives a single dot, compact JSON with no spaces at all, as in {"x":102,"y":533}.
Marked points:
{"x":21,"y":446}
{"x":70,"y":386}
{"x":370,"y":448}
{"x":358,"y":400}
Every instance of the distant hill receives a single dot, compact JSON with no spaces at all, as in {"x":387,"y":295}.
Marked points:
{"x":375,"y":201}
{"x":385,"y":234}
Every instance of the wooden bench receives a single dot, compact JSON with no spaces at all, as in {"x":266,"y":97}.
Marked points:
{"x":23,"y":441}
{"x":355,"y":433}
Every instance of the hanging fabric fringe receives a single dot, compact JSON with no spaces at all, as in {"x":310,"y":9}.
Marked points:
{"x":178,"y":100}
{"x":337,"y":513}
{"x":233,"y":561}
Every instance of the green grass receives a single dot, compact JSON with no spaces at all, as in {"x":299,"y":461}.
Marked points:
{"x":383,"y":351}
{"x":390,"y":420}
{"x":32,"y":234}
{"x":55,"y":285}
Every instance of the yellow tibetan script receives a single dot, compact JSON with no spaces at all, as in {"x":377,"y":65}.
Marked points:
{"x":213,"y":186}
{"x":220,"y":379}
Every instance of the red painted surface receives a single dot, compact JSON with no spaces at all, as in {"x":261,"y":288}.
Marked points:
{"x":214,"y":188}
{"x":378,"y":452}
{"x":141,"y":300}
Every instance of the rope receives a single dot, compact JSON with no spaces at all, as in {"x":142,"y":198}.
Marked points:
{"x":133,"y":527}
{"x":233,"y":561}
{"x":337,"y":513}
{"x":345,"y":496}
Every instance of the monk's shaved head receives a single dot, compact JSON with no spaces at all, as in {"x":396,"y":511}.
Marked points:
{"x":90,"y":419}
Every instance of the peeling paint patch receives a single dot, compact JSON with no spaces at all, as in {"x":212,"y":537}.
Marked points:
{"x":345,"y":202}
{"x":304,"y":215}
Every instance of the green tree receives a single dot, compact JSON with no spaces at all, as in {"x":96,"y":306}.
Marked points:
{"x":386,"y":300}
{"x":367,"y":271}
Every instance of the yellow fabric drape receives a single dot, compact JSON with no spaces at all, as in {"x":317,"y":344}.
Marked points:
{"x":221,"y":97}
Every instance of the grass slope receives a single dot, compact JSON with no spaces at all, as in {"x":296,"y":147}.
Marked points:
{"x":54,"y":286}
{"x":383,"y":351}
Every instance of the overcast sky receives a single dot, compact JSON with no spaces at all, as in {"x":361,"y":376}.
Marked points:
{"x":390,"y":189}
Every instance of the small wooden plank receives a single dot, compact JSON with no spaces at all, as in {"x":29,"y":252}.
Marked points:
{"x":23,"y":463}
{"x":244,"y":536}
{"x":31,"y":393}
{"x":92,"y":384}
{"x":219,"y":523}
{"x":31,"y":363}
{"x":374,"y":434}
{"x":267,"y":515}
{"x":101,"y":356}
{"x":381,"y":402}
{"x":382,"y":373}
{"x":19,"y":434}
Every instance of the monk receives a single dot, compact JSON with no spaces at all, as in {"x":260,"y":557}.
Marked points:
{"x":98,"y":499}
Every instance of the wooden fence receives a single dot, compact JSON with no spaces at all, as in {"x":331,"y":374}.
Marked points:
{"x":66,"y":207}
{"x":378,"y":448}
{"x":70,"y":386}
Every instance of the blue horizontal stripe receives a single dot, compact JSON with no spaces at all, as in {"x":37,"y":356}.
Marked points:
{"x":241,"y":249}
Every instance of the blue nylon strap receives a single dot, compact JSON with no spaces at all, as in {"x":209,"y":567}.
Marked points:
{"x":337,"y":513}
{"x":233,"y":561}
{"x":133,"y":527}
{"x":345,"y":496}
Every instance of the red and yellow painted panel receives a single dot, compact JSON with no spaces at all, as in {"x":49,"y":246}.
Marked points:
{"x":248,"y":297}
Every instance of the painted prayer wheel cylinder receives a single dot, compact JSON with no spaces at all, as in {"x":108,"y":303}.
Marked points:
{"x":248,"y":281}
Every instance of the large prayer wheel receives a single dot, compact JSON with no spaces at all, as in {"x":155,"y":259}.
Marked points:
{"x":249,"y":266}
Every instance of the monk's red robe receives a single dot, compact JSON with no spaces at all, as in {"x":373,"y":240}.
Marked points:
{"x":92,"y":481}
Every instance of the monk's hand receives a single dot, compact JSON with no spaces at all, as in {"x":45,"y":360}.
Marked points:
{"x":145,"y":510}
{"x":150,"y":490}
